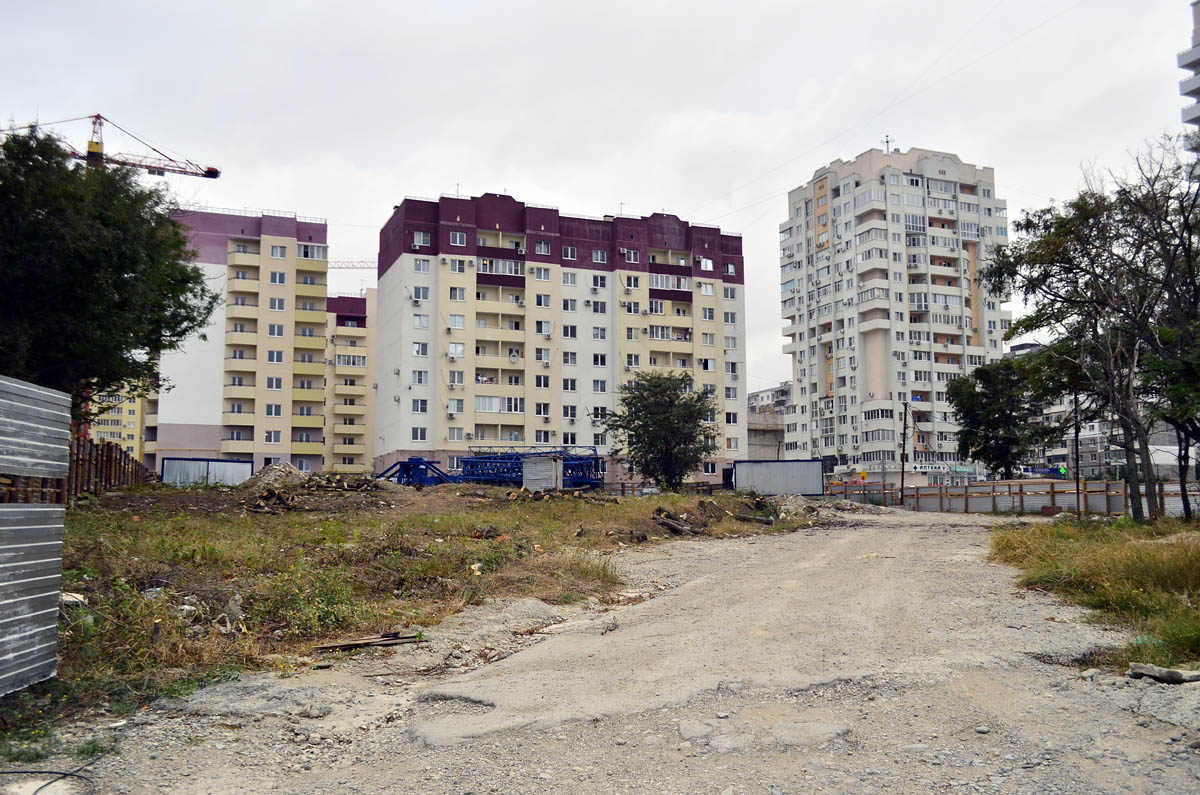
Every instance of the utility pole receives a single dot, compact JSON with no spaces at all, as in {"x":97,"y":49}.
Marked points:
{"x":903,"y":451}
{"x":1078,"y":495}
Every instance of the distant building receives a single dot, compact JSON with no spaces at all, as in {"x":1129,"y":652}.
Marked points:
{"x":882,"y":307}
{"x":769,"y":410}
{"x":121,"y":423}
{"x":1190,"y":59}
{"x":505,"y":323}
{"x":283,"y":373}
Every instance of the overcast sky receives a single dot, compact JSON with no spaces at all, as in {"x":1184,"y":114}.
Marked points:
{"x":711,"y":111}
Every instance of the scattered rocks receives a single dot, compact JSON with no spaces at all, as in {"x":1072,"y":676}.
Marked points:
{"x":983,"y":730}
{"x":693,"y":729}
{"x":1170,"y":676}
{"x":815,"y":733}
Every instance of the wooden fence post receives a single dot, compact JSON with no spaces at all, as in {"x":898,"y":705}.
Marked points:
{"x":1052,"y":502}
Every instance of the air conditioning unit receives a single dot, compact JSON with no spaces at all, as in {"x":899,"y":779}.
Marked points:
{"x":645,"y":311}
{"x":416,"y":302}
{"x":545,"y":363}
{"x":521,"y":303}
{"x":628,"y":291}
{"x":624,"y":303}
{"x":733,"y":376}
{"x":416,"y":247}
{"x":548,"y":335}
{"x":545,"y":419}
{"x":622,"y":250}
{"x":554,"y":433}
{"x":587,"y":303}
{"x":396,"y":371}
{"x":452,"y":386}
{"x":571,"y":421}
{"x":645,"y":330}
{"x":449,"y":329}
{"x":470,"y":263}
{"x":450,"y":415}
{"x":444,"y":260}
{"x":521,"y":251}
{"x":595,"y":290}
{"x":628,"y":368}
{"x":453,"y":358}
{"x":470,"y":435}
{"x":396,"y":398}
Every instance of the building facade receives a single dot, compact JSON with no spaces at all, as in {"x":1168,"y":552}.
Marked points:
{"x":504,"y":323}
{"x":1190,"y":59}
{"x":766,"y":419}
{"x":256,"y":385}
{"x":879,"y":259}
{"x":121,"y":422}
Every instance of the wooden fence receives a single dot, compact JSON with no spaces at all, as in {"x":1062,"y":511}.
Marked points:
{"x":1102,"y":497}
{"x":625,"y":488}
{"x":92,"y":467}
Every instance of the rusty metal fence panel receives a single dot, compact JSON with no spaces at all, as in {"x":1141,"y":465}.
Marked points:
{"x":34,"y":456}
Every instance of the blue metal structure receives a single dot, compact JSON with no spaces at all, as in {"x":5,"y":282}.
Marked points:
{"x":502,"y":466}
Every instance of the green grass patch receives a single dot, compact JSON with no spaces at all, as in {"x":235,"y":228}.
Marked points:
{"x":1143,"y":577}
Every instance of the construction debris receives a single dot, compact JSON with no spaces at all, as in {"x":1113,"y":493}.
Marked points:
{"x":270,"y":501}
{"x":276,"y":476}
{"x":1170,"y":676}
{"x":336,"y":482}
{"x":677,"y":524}
{"x":382,"y":639}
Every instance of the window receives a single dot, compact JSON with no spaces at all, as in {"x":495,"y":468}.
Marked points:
{"x":706,"y":313}
{"x":599,"y":385}
{"x":631,"y":333}
{"x":657,"y":307}
{"x":458,"y":293}
{"x":274,"y":409}
{"x":568,"y":304}
{"x":458,"y":266}
{"x":599,"y":307}
{"x":731,"y":393}
{"x":275,"y":330}
{"x":454,"y":435}
{"x":278,"y":277}
{"x":731,"y":443}
{"x":420,"y":348}
{"x":600,"y":360}
{"x":541,"y":274}
{"x":541,"y":382}
{"x":278,"y":252}
{"x":729,"y":292}
{"x":633,"y":360}
{"x":541,"y":437}
{"x":633,"y":308}
{"x":569,"y":332}
{"x":420,"y":238}
{"x":542,"y":247}
{"x":568,"y":253}
{"x":731,"y":368}
{"x":310,"y":251}
{"x":420,"y":377}
{"x":731,"y":418}
{"x":710,"y":467}
{"x":599,"y":439}
{"x":457,"y":350}
{"x":272,"y":437}
{"x":568,"y":437}
{"x":275,"y":384}
{"x":420,"y":406}
{"x":420,"y":265}
{"x":706,"y":288}
{"x":568,"y":357}
{"x":599,"y":255}
{"x":241,"y":248}
{"x":541,"y":409}
{"x":731,"y":318}
{"x":276,"y":304}
{"x":708,"y":339}
{"x":458,"y":321}
{"x":706,"y":264}
{"x":542,"y":300}
{"x":631,"y":255}
{"x":599,"y":332}
{"x":421,"y":293}
{"x":632,"y":282}
{"x":274,"y":357}
{"x":419,"y":434}
{"x":458,"y":238}
{"x":730,"y":270}
{"x":420,"y":321}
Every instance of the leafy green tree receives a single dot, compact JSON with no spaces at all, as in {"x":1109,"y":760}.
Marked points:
{"x":1000,"y":416}
{"x":662,"y":428}
{"x":97,"y":276}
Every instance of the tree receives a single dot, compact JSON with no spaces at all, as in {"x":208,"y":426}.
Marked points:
{"x":662,"y":428}
{"x":1116,"y":273}
{"x":999,"y":416}
{"x":97,"y":276}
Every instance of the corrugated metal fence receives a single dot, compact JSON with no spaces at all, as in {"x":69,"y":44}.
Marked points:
{"x":35,"y":429}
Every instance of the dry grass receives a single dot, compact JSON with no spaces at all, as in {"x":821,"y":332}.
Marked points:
{"x":1144,"y":577}
{"x":160,"y":566}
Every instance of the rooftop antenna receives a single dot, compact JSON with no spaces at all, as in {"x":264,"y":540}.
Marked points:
{"x":620,"y":208}
{"x":887,"y":143}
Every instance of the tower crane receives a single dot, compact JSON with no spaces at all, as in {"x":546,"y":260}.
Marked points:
{"x":155,"y":166}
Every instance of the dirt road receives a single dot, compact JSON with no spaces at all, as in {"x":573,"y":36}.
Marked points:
{"x":886,"y":655}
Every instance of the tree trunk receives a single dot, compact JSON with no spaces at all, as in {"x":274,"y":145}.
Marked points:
{"x":1184,"y":454}
{"x":1150,"y":476}
{"x":1131,"y":471}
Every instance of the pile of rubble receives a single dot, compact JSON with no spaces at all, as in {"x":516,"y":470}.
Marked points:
{"x":278,"y":487}
{"x":813,"y":508}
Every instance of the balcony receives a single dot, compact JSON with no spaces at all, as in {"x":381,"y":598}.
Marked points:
{"x":149,"y":448}
{"x":247,"y":364}
{"x":150,"y":419}
{"x":315,"y":395}
{"x":241,"y":338}
{"x":356,"y":410}
{"x":349,"y":449}
{"x":244,"y":258}
{"x":350,"y":370}
{"x":237,"y":445}
{"x":309,"y":368}
{"x":310,"y":290}
{"x":351,"y":331}
{"x":349,"y":389}
{"x":1191,"y":114}
{"x":310,"y":316}
{"x":242,"y":391}
{"x":241,"y":310}
{"x":242,"y":285}
{"x":318,"y":265}
{"x":310,"y":343}
{"x":1189,"y":59}
{"x":347,"y":468}
{"x":308,"y":420}
{"x":348,"y":430}
{"x":241,"y":418}
{"x":308,"y":448}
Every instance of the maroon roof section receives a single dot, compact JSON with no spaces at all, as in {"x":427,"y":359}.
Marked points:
{"x":498,"y":212}
{"x":210,"y":230}
{"x":348,"y":307}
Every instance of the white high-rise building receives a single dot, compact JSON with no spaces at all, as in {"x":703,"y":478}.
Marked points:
{"x":882,"y":308}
